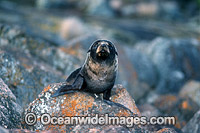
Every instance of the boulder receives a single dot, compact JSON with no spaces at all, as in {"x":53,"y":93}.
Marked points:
{"x":3,"y":130}
{"x":28,"y":64}
{"x":166,"y":130}
{"x":144,"y":67}
{"x":183,"y":108}
{"x":10,"y":111}
{"x":99,"y":8}
{"x":193,"y":126}
{"x":12,"y":37}
{"x":81,"y":104}
{"x":176,"y":60}
{"x":67,"y":30}
{"x":26,"y":83}
{"x":149,"y":110}
{"x":136,"y":75}
{"x":191,"y":89}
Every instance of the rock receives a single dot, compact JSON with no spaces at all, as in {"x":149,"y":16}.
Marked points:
{"x":116,"y":4}
{"x":105,"y":129}
{"x":64,"y":62}
{"x":133,"y":74}
{"x":3,"y":130}
{"x":120,"y":95}
{"x":10,"y":111}
{"x":26,"y":84}
{"x":166,"y":130}
{"x":170,"y":9}
{"x":143,"y":66}
{"x":57,"y":4}
{"x":166,"y":102}
{"x":176,"y":60}
{"x":182,"y":108}
{"x":149,"y":110}
{"x":99,"y":8}
{"x":67,"y":30}
{"x":193,"y":126}
{"x":140,"y":9}
{"x":164,"y":9}
{"x":36,"y":63}
{"x":115,"y":129}
{"x":14,"y":38}
{"x":79,"y":104}
{"x":194,"y":23}
{"x":79,"y":46}
{"x":150,"y":98}
{"x":191,"y":89}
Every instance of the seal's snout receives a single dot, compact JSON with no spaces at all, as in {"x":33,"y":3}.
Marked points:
{"x":103,"y":50}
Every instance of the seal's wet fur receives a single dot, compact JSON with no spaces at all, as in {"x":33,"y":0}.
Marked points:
{"x":98,"y":73}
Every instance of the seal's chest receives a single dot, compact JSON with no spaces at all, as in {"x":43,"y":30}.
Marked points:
{"x":100,"y":74}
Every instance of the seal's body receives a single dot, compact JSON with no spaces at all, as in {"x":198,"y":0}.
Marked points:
{"x":98,"y":73}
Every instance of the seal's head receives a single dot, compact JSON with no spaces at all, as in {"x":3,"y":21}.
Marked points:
{"x":103,"y":51}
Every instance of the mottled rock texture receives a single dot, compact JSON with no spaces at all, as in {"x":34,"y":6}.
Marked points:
{"x":136,"y":72}
{"x":191,"y":89}
{"x":10,"y":111}
{"x":28,"y":64}
{"x":176,"y":60}
{"x":81,"y":104}
{"x":183,"y":108}
{"x":166,"y":130}
{"x":193,"y":126}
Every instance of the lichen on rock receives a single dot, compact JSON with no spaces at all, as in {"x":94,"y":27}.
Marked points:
{"x":80,"y":104}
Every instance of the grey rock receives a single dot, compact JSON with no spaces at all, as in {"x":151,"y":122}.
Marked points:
{"x":49,"y":4}
{"x":3,"y":130}
{"x":167,"y":130}
{"x":176,"y":60}
{"x":10,"y":111}
{"x":67,"y":30}
{"x":25,"y":84}
{"x":193,"y":126}
{"x":149,"y":110}
{"x":183,"y":108}
{"x":191,"y":89}
{"x":36,"y":63}
{"x":99,"y":7}
{"x":143,"y":65}
{"x":140,"y":9}
{"x":14,"y":37}
{"x":134,"y":74}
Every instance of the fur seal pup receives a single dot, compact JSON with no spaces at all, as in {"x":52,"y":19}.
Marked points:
{"x":98,"y":73}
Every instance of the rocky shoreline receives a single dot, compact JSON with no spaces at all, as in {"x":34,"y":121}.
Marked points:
{"x":158,"y":64}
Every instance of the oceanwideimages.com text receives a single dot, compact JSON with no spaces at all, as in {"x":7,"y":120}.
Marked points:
{"x":130,"y":121}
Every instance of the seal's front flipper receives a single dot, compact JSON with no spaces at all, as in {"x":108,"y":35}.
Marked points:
{"x":63,"y":90}
{"x":107,"y":94}
{"x":77,"y":85}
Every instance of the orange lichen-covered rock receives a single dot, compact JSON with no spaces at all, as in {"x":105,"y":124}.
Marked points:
{"x":166,"y":130}
{"x":121,"y":95}
{"x":191,"y":89}
{"x":78,"y":104}
{"x":183,"y":108}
